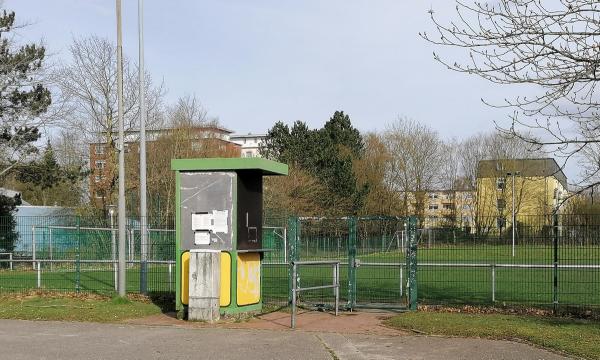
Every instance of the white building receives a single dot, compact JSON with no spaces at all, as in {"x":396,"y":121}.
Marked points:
{"x":250,"y":143}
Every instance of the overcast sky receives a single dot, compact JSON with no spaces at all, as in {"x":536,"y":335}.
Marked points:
{"x":252,"y":63}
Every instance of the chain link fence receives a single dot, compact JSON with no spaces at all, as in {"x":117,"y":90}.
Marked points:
{"x":548,"y":261}
{"x":73,"y":253}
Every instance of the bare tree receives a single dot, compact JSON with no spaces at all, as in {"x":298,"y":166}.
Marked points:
{"x":551,"y":45}
{"x":88,"y":86}
{"x":188,"y":132}
{"x":415,"y":160}
{"x":370,"y":171}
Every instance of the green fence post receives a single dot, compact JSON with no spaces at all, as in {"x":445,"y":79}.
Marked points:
{"x":78,"y":257}
{"x":293,"y":232}
{"x":412,"y":262}
{"x":352,"y":262}
{"x":555,"y":268}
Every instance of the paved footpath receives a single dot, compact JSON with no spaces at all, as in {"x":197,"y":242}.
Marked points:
{"x":67,"y":340}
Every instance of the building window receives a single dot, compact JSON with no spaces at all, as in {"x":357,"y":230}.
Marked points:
{"x":467,"y":207}
{"x":99,"y":164}
{"x":249,"y":154}
{"x":99,"y":194}
{"x":448,"y":206}
{"x":98,"y":178}
{"x":433,"y":196}
{"x":501,"y":203}
{"x":100,"y":149}
{"x":433,"y":206}
{"x":500,"y":183}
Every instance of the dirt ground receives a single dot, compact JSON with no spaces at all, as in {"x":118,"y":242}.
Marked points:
{"x":368,"y":323}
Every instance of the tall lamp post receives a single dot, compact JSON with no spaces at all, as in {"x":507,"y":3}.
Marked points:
{"x":514,"y":222}
{"x":143,"y":214}
{"x":122,"y":218}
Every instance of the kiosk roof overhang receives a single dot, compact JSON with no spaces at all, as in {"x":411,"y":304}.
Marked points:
{"x":267,"y":167}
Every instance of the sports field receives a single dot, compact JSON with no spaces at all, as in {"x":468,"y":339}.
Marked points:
{"x":446,"y":275}
{"x":91,"y":279}
{"x":462,"y":275}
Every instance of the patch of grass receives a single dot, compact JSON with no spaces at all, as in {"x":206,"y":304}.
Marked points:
{"x":76,"y":308}
{"x":571,"y":336}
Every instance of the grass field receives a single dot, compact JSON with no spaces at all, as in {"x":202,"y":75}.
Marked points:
{"x":460,"y":284}
{"x":381,"y":283}
{"x":90,"y":279}
{"x":574,"y":337}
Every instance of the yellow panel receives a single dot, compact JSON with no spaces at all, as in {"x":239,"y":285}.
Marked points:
{"x":248,"y":278}
{"x":225,"y":298}
{"x":185,"y":277}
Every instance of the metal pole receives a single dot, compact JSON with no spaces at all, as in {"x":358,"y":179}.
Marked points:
{"x":294,"y":295}
{"x":170,"y":276}
{"x":143,"y":215}
{"x":78,"y":257}
{"x":493,"y":282}
{"x":513,"y":214}
{"x":285,"y":257}
{"x":33,"y":246}
{"x":401,"y":281}
{"x":122,"y":219}
{"x":51,"y":263}
{"x":10,"y":257}
{"x":39,"y":275}
{"x":336,"y":280}
{"x":113,"y":247}
{"x":555,"y":267}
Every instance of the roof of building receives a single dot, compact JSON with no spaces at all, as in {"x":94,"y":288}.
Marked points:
{"x":249,"y":135}
{"x":216,"y":128}
{"x":541,"y":167}
{"x":267,"y":167}
{"x":12,"y":194}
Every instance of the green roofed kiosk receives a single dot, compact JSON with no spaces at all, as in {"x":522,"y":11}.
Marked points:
{"x":219,"y":234}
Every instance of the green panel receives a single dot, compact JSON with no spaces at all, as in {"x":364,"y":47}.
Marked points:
{"x":352,"y":261}
{"x":178,"y":305}
{"x":268,"y":167}
{"x":412,"y":262}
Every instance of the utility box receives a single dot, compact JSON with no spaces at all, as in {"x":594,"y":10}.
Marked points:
{"x":219,"y":208}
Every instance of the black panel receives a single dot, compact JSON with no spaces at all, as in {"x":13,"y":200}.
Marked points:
{"x":249,"y":210}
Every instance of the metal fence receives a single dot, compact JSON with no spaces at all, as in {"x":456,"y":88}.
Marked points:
{"x":371,"y":251}
{"x":73,"y":253}
{"x":548,"y":261}
{"x":551,"y":262}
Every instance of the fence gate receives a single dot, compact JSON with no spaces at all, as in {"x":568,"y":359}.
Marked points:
{"x":373,"y":253}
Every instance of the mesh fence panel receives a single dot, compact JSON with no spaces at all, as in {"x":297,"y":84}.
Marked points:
{"x":72,"y":253}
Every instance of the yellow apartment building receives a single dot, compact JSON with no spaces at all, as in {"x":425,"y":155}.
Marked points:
{"x":539,"y":186}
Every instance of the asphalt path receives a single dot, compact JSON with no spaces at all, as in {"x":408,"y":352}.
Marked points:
{"x":68,"y":340}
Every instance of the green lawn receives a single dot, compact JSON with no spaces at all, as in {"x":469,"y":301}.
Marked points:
{"x":381,"y":284}
{"x":63,"y":308}
{"x":90,"y":279}
{"x":575,"y":337}
{"x":460,"y":285}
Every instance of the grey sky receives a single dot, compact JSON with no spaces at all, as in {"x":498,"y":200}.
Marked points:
{"x":255,"y":62}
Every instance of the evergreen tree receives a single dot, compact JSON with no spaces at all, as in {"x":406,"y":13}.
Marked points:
{"x":327,"y":154}
{"x":22,"y":100}
{"x":46,"y":176}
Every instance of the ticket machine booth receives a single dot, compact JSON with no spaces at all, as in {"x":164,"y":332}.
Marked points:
{"x":219,"y":234}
